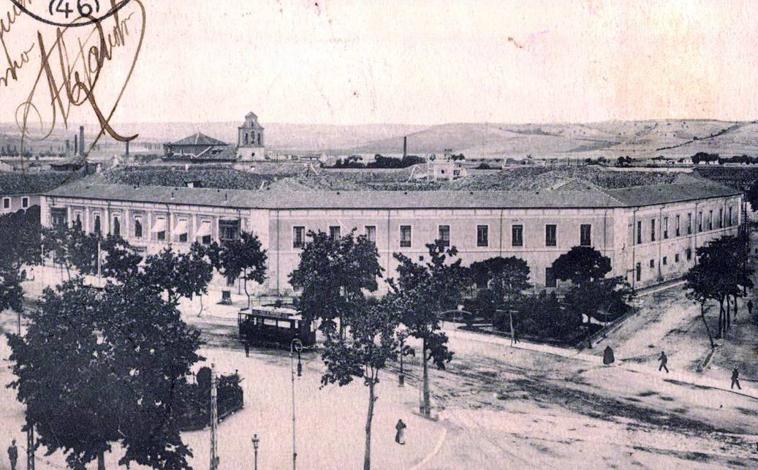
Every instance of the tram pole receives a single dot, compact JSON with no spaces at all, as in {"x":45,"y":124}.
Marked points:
{"x":295,"y":345}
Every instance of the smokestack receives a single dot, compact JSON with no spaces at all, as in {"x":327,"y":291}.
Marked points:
{"x":76,"y":144}
{"x":405,"y":146}
{"x":68,"y":147}
{"x":127,"y":149}
{"x":81,"y":141}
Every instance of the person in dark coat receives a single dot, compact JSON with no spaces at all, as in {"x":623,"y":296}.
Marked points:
{"x":13,"y":454}
{"x":608,"y":358}
{"x":750,"y":307}
{"x":664,"y":360}
{"x":736,"y":379}
{"x":247,"y":347}
{"x":400,"y":432}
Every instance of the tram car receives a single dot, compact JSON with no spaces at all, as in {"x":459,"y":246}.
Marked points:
{"x":274,"y":326}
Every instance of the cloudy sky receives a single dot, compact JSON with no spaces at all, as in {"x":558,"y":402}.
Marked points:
{"x":426,"y":62}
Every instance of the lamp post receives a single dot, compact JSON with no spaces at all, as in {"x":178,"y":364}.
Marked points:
{"x":295,"y":345}
{"x":256,"y":441}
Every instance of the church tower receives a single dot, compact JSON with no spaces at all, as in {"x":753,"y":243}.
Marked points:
{"x":250,"y":143}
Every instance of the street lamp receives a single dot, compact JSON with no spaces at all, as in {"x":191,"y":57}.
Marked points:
{"x":295,"y":345}
{"x":256,"y":441}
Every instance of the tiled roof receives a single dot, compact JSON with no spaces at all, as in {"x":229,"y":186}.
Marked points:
{"x":198,"y":139}
{"x":277,"y":199}
{"x":17,"y":182}
{"x":636,"y":196}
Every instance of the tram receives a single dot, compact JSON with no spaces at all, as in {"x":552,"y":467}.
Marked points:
{"x":274,"y":326}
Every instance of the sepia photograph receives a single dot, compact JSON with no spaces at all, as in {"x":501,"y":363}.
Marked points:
{"x":341,"y":234}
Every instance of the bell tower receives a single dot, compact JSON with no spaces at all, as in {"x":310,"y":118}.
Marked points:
{"x":250,"y":142}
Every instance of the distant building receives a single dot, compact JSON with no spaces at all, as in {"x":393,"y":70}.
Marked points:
{"x":199,"y":148}
{"x":250,"y":142}
{"x":21,"y":190}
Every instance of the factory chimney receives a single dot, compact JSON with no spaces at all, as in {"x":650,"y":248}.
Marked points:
{"x":81,"y":141}
{"x":405,"y":146}
{"x":76,"y":144}
{"x":127,"y":149}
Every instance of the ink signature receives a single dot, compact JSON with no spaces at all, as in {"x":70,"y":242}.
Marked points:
{"x":70,"y":70}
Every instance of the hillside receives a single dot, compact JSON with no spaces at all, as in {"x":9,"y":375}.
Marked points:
{"x":611,"y":139}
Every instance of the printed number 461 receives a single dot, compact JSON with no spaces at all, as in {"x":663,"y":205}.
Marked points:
{"x":84,"y":7}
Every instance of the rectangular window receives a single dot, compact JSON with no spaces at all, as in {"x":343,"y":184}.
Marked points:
{"x":639,"y":232}
{"x":678,"y":231}
{"x":444,"y":235}
{"x":161,"y":236}
{"x":638,"y":271}
{"x":116,"y":229}
{"x":652,"y":264}
{"x":665,"y":261}
{"x":585,"y":235}
{"x":334,"y":232}
{"x":482,"y":235}
{"x":676,"y":258}
{"x":710,"y":220}
{"x":298,"y":237}
{"x":721,"y":217}
{"x":517,"y":235}
{"x":665,"y":228}
{"x":700,"y":221}
{"x":731,"y":221}
{"x":228,"y":229}
{"x":58,"y":217}
{"x":183,"y":237}
{"x":371,"y":233}
{"x":688,"y":253}
{"x":549,"y":277}
{"x":24,"y":202}
{"x":405,"y":236}
{"x":6,"y":203}
{"x":689,"y":223}
{"x":138,"y":227}
{"x":652,"y":230}
{"x":551,"y":237}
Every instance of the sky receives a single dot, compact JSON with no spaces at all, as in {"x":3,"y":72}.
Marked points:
{"x":428,"y":62}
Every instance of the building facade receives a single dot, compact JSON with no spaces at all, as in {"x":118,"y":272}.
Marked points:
{"x":650,"y":233}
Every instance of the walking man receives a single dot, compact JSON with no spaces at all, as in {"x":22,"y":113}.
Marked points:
{"x":736,"y":379}
{"x":13,"y":454}
{"x":400,"y":434}
{"x":664,"y":360}
{"x":247,"y":347}
{"x":750,"y":307}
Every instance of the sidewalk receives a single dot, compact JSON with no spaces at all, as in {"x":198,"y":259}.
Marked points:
{"x":748,"y":389}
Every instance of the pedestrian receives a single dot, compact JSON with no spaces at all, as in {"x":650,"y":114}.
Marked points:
{"x":247,"y":347}
{"x":736,"y":379}
{"x":400,"y":434}
{"x":664,"y":360}
{"x":515,"y":336}
{"x":13,"y":454}
{"x":750,"y":306}
{"x":608,"y":358}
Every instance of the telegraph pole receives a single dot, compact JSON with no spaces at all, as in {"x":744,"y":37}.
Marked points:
{"x":30,"y":447}
{"x":214,"y":420}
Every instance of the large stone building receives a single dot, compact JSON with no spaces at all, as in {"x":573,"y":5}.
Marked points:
{"x":650,"y":233}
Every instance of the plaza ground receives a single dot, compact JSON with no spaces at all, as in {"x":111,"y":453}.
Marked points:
{"x":530,"y":406}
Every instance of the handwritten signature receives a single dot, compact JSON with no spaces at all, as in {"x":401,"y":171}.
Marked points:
{"x":70,"y":69}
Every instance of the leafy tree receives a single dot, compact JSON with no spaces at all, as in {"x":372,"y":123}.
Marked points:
{"x":91,"y":373}
{"x":505,"y":278}
{"x":11,"y":291}
{"x":592,"y":294}
{"x":422,"y":291}
{"x":179,"y":274}
{"x":370,"y":343}
{"x":334,"y":274}
{"x":243,"y":257}
{"x":544,"y":316}
{"x":752,"y":195}
{"x":700,"y":287}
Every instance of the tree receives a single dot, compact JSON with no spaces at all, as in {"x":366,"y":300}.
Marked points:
{"x":752,"y":195}
{"x":243,"y":257}
{"x":506,"y":278}
{"x":700,"y":288}
{"x":180,"y":274}
{"x":369,"y":344}
{"x":334,"y":274}
{"x":91,"y":373}
{"x":592,"y":294}
{"x":422,"y":291}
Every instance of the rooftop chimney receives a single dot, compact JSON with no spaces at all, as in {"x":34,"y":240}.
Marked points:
{"x":81,"y":141}
{"x":405,"y":146}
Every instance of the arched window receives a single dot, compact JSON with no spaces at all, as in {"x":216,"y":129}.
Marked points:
{"x":116,"y":227}
{"x":137,"y":228}
{"x":97,"y":224}
{"x":246,"y":138}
